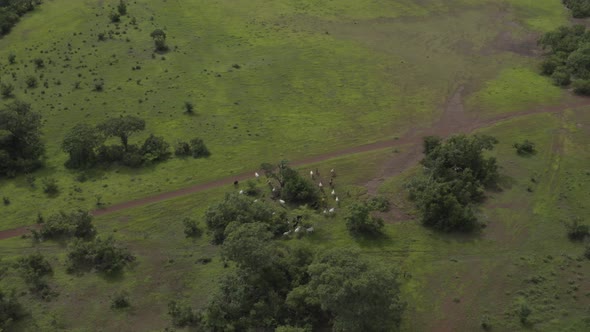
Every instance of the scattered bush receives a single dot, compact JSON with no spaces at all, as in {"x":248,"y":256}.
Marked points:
{"x":183,"y":315}
{"x":39,"y":63}
{"x":104,"y":256}
{"x":189,"y":108}
{"x":115,"y":17}
{"x":191,"y":228}
{"x":524,"y":312}
{"x":11,"y":58}
{"x":102,"y":36}
{"x":378,"y":203}
{"x":122,"y":8}
{"x":525,"y":148}
{"x":6,"y":90}
{"x":577,"y":231}
{"x":50,"y":186}
{"x":98,"y":85}
{"x":33,"y":268}
{"x":155,"y":148}
{"x":10,"y":309}
{"x":6,"y":200}
{"x":120,"y":301}
{"x":198,"y":148}
{"x":182,"y":149}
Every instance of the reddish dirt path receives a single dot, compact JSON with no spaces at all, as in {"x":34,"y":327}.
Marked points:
{"x":453,"y":120}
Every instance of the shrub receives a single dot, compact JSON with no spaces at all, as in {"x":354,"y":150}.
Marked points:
{"x":110,"y":153}
{"x":11,"y":58}
{"x":10,"y":309}
{"x":189,"y":108}
{"x":122,"y":8}
{"x":359,"y":221}
{"x":39,"y":63}
{"x":104,"y":256}
{"x":579,"y":8}
{"x":191,"y":228}
{"x":182,"y":149}
{"x":66,"y":225}
{"x":31,"y":81}
{"x":523,"y":313}
{"x":198,"y":148}
{"x":525,"y":148}
{"x":50,"y":186}
{"x":102,"y":36}
{"x":549,"y":65}
{"x":577,"y":231}
{"x":133,"y":159}
{"x":120,"y":301}
{"x":98,"y":85}
{"x":182,"y":315}
{"x":115,"y":17}
{"x":587,"y":252}
{"x":6,"y":89}
{"x":378,"y":203}
{"x":6,"y":200}
{"x":155,"y":148}
{"x":582,"y":87}
{"x":32,"y":269}
{"x":561,"y":76}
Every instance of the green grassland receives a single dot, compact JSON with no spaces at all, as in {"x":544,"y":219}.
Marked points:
{"x":314,"y":77}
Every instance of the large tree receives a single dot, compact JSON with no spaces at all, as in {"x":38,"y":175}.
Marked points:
{"x":81,"y":143}
{"x":20,"y":139}
{"x":122,"y":127}
{"x":357,"y":295}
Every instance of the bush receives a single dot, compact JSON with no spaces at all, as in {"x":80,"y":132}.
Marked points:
{"x":122,"y":8}
{"x":50,"y":186}
{"x":523,"y":313}
{"x":115,"y":17}
{"x":360,"y":222}
{"x":133,"y":159}
{"x":582,"y":87}
{"x":155,"y":148}
{"x":10,"y":309}
{"x":98,"y":85}
{"x":6,"y":89}
{"x":182,"y":149}
{"x":561,"y":76}
{"x":183,"y":315}
{"x":577,"y":231}
{"x":189,"y":108}
{"x":120,"y":301}
{"x":579,"y":8}
{"x":11,"y":58}
{"x":110,"y":153}
{"x":6,"y":200}
{"x":104,"y":256}
{"x":525,"y":148}
{"x":31,"y":81}
{"x":67,"y":225}
{"x":101,"y":36}
{"x":32,"y":269}
{"x":378,"y":203}
{"x":39,"y":63}
{"x":191,"y":228}
{"x":198,"y":148}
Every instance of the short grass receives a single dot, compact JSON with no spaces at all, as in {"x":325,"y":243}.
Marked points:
{"x":313,"y":77}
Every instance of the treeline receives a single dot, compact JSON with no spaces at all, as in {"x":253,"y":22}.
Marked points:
{"x":12,"y":10}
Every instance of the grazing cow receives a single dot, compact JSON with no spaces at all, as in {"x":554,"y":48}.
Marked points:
{"x":310,"y":230}
{"x":281,"y":201}
{"x":256,"y":175}
{"x":287,"y":233}
{"x":337,"y":200}
{"x":311,"y":174}
{"x":236,"y":183}
{"x":332,"y":210}
{"x":298,"y":229}
{"x":325,"y":211}
{"x":241,"y":192}
{"x":320,"y":184}
{"x":333,"y":192}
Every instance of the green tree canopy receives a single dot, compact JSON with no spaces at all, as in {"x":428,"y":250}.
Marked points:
{"x":122,"y":128}
{"x":81,"y":143}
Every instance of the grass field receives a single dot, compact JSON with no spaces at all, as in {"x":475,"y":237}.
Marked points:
{"x":314,"y":77}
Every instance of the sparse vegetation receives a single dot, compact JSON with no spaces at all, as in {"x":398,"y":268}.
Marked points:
{"x":105,"y":256}
{"x":525,"y":148}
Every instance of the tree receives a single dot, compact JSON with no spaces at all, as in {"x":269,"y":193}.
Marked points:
{"x":199,"y":149}
{"x":33,"y":268}
{"x":159,"y":37}
{"x":20,"y":139}
{"x":122,"y":127}
{"x":155,"y":148}
{"x":122,"y":8}
{"x":579,"y":8}
{"x":525,"y":148}
{"x":359,"y":220}
{"x":105,"y":256}
{"x":81,"y":143}
{"x":67,"y":225}
{"x":10,"y":309}
{"x":191,"y":228}
{"x":189,"y":108}
{"x":359,"y":297}
{"x":31,"y":81}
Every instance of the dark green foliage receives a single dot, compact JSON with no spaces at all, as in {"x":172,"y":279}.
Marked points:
{"x":524,"y":311}
{"x":120,"y":301}
{"x":456,"y":174}
{"x":10,"y":309}
{"x":159,"y":37}
{"x":525,"y":148}
{"x":67,"y":225}
{"x":339,"y":278}
{"x":6,"y":90}
{"x":378,"y":203}
{"x":561,"y":76}
{"x":33,"y":268}
{"x":576,"y":231}
{"x":81,"y":143}
{"x":579,"y":8}
{"x":122,"y":8}
{"x":39,"y":63}
{"x":115,"y":17}
{"x":104,"y":256}
{"x":102,"y":36}
{"x":430,"y":143}
{"x":191,"y":228}
{"x":50,"y":186}
{"x":242,"y":209}
{"x":189,"y":108}
{"x":11,"y":58}
{"x":582,"y":87}
{"x":155,"y":148}
{"x":6,"y":200}
{"x":291,"y":186}
{"x":360,"y":222}
{"x":199,"y":149}
{"x":122,"y":127}
{"x":110,"y":153}
{"x":31,"y":81}
{"x":182,"y":149}
{"x":183,"y":315}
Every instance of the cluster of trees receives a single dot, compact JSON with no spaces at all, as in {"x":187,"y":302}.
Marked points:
{"x":12,"y":10}
{"x":455,"y":176}
{"x":579,"y":8}
{"x":85,"y":145}
{"x":290,"y":186}
{"x":275,"y":286}
{"x":33,"y":269}
{"x":568,"y":57}
{"x":21,"y":148}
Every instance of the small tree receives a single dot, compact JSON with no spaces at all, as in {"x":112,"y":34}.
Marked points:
{"x":122,"y":127}
{"x":50,"y":186}
{"x":39,"y":63}
{"x":191,"y":228}
{"x":576,"y":231}
{"x":6,"y":90}
{"x":31,"y":81}
{"x":11,"y":58}
{"x":159,"y":37}
{"x":81,"y":143}
{"x":189,"y":108}
{"x":155,"y":148}
{"x":102,"y":255}
{"x":525,"y":148}
{"x":115,"y":17}
{"x":182,"y":149}
{"x":359,"y":220}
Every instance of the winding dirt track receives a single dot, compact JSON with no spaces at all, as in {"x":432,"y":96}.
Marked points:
{"x":453,"y":120}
